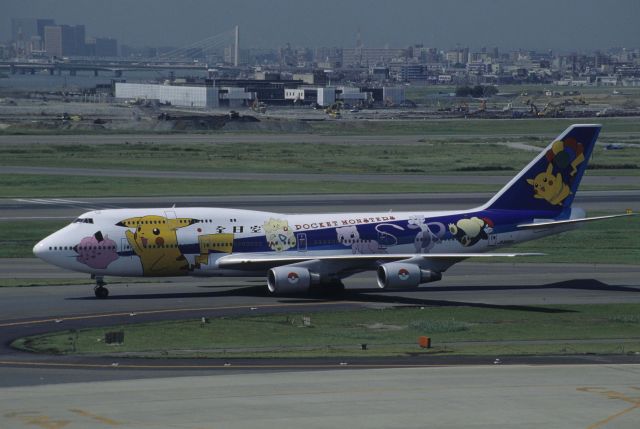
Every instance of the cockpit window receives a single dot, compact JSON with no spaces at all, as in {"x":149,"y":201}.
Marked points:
{"x":83,"y":220}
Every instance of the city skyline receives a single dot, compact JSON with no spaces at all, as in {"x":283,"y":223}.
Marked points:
{"x":564,"y":26}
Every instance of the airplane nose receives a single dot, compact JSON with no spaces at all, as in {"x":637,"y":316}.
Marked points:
{"x":39,"y":249}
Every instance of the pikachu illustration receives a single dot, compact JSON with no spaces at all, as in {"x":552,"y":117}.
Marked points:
{"x":155,"y":241}
{"x":549,"y":187}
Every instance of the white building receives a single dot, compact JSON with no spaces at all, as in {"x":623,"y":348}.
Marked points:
{"x":237,"y":97}
{"x":188,"y":96}
{"x":393,"y":95}
{"x":351,"y":95}
{"x":326,"y":96}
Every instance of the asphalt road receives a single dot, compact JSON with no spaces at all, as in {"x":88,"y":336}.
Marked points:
{"x":619,"y":181}
{"x":234,"y":138}
{"x":466,"y":282}
{"x":66,"y":208}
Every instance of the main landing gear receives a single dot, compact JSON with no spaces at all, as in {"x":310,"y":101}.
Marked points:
{"x":100,"y":290}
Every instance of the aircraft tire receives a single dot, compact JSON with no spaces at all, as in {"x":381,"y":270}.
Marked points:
{"x":101,"y":292}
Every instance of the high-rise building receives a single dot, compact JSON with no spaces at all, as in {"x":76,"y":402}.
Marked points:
{"x":371,"y":56}
{"x":101,"y":47}
{"x":28,"y":33}
{"x":53,"y":40}
{"x":64,"y":40}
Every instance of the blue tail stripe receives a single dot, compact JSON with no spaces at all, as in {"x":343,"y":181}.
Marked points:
{"x":551,"y":180}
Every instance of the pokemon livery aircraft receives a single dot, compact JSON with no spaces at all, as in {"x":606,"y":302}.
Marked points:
{"x":298,"y":252}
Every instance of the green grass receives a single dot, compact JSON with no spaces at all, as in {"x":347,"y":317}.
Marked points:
{"x":614,"y":241}
{"x":48,"y":186}
{"x":472,"y":127}
{"x":34,"y":282}
{"x":565,"y":329}
{"x":427,"y":155}
{"x":20,"y":282}
{"x":17,"y":238}
{"x":422,"y":157}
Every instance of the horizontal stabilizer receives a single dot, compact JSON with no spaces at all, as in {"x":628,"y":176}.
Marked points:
{"x":540,"y":225}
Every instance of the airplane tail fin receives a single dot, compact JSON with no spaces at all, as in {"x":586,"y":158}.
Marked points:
{"x":550,"y":182}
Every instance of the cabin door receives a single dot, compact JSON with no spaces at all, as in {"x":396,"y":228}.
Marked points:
{"x":302,"y":242}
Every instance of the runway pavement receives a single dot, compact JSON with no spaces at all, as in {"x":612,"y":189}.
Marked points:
{"x":496,"y":397}
{"x":96,"y":139}
{"x":460,"y":179}
{"x":67,"y":208}
{"x":466,"y":282}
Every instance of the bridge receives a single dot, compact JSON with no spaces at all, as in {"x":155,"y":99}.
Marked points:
{"x":73,"y":66}
{"x":175,"y":59}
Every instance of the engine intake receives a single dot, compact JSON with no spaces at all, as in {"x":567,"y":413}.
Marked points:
{"x":402,"y":275}
{"x":288,"y":279}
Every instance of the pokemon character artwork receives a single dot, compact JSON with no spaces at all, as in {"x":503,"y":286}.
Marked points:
{"x":96,"y":251}
{"x":470,"y":231}
{"x":554,"y":184}
{"x":278,"y":234}
{"x":155,"y":241}
{"x":350,"y":236}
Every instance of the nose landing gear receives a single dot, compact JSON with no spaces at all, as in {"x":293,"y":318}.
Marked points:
{"x":100,"y":290}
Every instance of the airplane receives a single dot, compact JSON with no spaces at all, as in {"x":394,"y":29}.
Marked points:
{"x":302,"y":252}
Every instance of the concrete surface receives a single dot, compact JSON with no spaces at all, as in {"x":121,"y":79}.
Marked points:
{"x":570,"y":396}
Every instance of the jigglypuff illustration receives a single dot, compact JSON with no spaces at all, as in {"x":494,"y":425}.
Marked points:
{"x":350,"y":237}
{"x":469,"y":231}
{"x":96,"y":251}
{"x":549,"y":187}
{"x":278,"y":234}
{"x":155,"y":241}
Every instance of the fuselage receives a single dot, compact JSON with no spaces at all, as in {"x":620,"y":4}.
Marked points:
{"x":189,"y":241}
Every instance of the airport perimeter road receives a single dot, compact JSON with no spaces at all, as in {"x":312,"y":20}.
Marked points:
{"x":284,"y":137}
{"x":235,"y":138}
{"x":495,"y":397}
{"x":66,"y":208}
{"x":461,"y":179}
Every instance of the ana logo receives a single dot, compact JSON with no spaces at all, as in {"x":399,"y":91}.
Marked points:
{"x":293,"y":278}
{"x":403,"y":274}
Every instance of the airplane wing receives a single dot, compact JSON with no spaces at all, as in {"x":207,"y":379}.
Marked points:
{"x":540,"y":225}
{"x":247,"y":260}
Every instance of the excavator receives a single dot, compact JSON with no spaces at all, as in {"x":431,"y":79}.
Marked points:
{"x":334,"y":110}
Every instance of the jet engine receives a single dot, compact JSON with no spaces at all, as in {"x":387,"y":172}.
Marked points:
{"x":402,"y":275}
{"x":291,"y":279}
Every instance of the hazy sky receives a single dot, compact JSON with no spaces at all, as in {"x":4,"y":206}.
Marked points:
{"x":534,"y":24}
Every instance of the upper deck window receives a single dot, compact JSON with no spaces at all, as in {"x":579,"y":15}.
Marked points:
{"x":83,"y":220}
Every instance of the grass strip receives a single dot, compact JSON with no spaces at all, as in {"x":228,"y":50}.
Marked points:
{"x":425,"y":156}
{"x":34,"y":282}
{"x":49,"y":186}
{"x":472,"y":127}
{"x":561,"y":329}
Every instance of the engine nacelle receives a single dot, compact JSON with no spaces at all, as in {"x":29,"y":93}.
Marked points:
{"x":404,"y":275}
{"x":289,"y":279}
